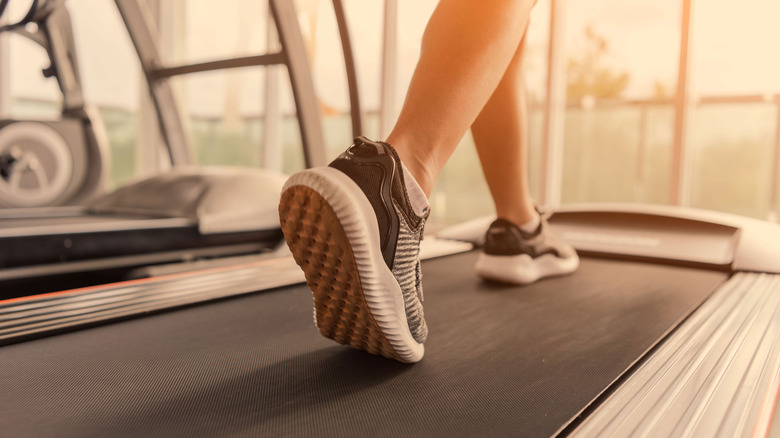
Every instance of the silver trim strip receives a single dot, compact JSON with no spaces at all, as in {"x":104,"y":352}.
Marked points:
{"x":81,"y":307}
{"x":126,"y":224}
{"x":53,"y":312}
{"x":117,"y":262}
{"x":714,"y":376}
{"x":38,"y":212}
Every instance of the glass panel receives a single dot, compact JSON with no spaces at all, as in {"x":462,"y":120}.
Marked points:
{"x":205,"y":30}
{"x":535,"y":71}
{"x":226,"y":108}
{"x":732,"y":147}
{"x":618,"y":153}
{"x":365,"y":25}
{"x":732,"y":144}
{"x":734,"y":46}
{"x":32,"y":95}
{"x":621,"y":67}
{"x":111,"y":80}
{"x":365,"y":20}
{"x":328,"y":68}
{"x":223,"y":113}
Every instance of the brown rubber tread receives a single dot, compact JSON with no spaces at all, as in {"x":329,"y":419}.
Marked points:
{"x":321,"y":248}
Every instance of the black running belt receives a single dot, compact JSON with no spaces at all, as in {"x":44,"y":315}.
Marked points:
{"x":500,"y":361}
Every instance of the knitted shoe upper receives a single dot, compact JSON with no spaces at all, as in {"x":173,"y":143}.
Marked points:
{"x":505,"y":238}
{"x":376,"y":169}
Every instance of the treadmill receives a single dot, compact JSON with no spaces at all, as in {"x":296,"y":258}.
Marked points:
{"x":62,"y":226}
{"x":669,"y":328}
{"x":182,"y":215}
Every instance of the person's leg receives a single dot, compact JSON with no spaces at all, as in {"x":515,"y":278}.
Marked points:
{"x":355,"y":226}
{"x":500,"y":135}
{"x":519,"y":247}
{"x":466,"y":49}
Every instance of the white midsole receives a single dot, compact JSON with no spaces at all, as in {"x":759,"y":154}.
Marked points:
{"x":522,"y":269}
{"x":380,"y":288}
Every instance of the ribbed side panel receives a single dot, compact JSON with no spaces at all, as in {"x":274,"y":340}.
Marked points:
{"x":54,"y":313}
{"x":717,"y":375}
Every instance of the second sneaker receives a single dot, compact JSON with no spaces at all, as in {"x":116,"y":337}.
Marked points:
{"x":510,"y":255}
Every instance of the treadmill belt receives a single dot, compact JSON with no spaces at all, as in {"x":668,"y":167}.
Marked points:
{"x":500,"y":361}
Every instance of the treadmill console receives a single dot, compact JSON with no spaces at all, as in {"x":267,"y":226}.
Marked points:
{"x":646,"y":236}
{"x":660,"y":233}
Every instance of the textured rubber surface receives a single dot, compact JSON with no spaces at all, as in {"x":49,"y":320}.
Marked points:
{"x":500,"y":361}
{"x":352,"y":223}
{"x":320,"y":247}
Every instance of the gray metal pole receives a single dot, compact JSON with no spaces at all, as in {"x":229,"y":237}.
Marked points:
{"x":349,"y":63}
{"x":306,"y":102}
{"x":148,"y":144}
{"x":138,"y":20}
{"x":272,"y":122}
{"x":641,"y":155}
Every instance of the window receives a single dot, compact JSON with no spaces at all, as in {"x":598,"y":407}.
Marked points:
{"x":733,"y":129}
{"x":621,"y":68}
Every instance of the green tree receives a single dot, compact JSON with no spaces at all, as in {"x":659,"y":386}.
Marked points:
{"x":587,"y":74}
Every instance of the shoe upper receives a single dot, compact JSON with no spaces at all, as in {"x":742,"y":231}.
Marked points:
{"x":376,"y":169}
{"x":504,"y":238}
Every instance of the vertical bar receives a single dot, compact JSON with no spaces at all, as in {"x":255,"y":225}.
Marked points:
{"x":387,"y":105}
{"x":349,"y":63}
{"x":272,"y":122}
{"x":639,"y":187}
{"x":62,"y":52}
{"x":554,"y":109}
{"x":148,"y":142}
{"x":775,"y":178}
{"x":5,"y":74}
{"x":680,"y":186}
{"x":306,"y":103}
{"x":138,"y":21}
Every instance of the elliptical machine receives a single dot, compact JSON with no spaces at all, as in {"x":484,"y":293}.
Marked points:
{"x":53,"y":162}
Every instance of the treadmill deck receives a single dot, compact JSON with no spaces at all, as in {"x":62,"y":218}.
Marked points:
{"x":500,"y":361}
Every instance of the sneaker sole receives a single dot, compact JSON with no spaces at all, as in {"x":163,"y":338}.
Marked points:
{"x":330,"y":228}
{"x":522,"y":269}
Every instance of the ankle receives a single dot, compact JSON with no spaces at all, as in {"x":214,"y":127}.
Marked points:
{"x":417,"y":165}
{"x":522,"y":217}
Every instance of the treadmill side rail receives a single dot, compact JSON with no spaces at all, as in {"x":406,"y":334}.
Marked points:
{"x":716,"y":375}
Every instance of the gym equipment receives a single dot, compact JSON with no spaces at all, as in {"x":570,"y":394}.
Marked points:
{"x":668,"y":328}
{"x":50,"y":163}
{"x":640,"y":327}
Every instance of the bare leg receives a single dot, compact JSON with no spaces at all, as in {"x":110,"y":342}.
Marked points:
{"x":500,"y":136}
{"x":466,"y":49}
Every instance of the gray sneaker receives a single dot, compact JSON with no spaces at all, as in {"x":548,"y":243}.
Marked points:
{"x":511,"y":255}
{"x":352,"y":230}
